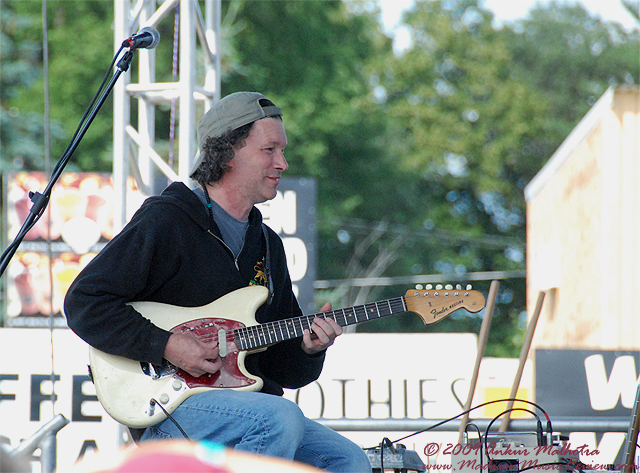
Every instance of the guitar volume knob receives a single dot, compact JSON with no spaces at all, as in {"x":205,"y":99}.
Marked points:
{"x":164,"y":398}
{"x":176,"y":385}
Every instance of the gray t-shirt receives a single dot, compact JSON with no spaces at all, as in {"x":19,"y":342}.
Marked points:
{"x":232,"y":229}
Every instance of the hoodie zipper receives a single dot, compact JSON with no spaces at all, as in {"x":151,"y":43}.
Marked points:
{"x":235,"y":258}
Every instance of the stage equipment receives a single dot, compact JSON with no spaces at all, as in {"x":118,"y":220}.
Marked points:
{"x":394,"y":457}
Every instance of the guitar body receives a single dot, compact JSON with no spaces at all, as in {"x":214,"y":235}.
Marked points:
{"x":124,"y":387}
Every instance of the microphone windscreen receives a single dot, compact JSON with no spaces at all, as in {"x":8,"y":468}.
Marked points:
{"x":154,"y":35}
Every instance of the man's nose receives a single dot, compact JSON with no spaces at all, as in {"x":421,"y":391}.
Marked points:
{"x":281,"y":162}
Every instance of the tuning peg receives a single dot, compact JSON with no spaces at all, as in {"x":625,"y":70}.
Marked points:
{"x":448,"y":287}
{"x":458,"y":286}
{"x":419,"y":287}
{"x":438,"y":287}
{"x":429,"y":287}
{"x":469,"y":287}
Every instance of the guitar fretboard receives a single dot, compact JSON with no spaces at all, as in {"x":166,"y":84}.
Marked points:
{"x":258,"y":336}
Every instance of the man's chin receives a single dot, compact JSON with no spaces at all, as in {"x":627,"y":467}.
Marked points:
{"x":270,"y":197}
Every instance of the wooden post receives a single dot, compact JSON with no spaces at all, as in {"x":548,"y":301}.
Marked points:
{"x":524,"y":354}
{"x":482,"y":342}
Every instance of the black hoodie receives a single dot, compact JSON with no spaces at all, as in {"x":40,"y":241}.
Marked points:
{"x":171,"y":252}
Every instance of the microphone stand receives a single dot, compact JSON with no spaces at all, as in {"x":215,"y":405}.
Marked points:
{"x":39,"y":200}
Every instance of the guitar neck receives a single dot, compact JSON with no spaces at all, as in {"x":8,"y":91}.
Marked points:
{"x":258,"y":336}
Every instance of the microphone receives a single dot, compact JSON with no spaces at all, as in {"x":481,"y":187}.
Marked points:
{"x":147,"y":38}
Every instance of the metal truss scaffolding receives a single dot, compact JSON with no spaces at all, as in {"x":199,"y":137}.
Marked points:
{"x":134,"y":151}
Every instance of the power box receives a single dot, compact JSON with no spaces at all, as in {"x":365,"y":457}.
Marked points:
{"x":511,"y":452}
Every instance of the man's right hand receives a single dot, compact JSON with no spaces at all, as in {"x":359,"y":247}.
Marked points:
{"x":197,"y":358}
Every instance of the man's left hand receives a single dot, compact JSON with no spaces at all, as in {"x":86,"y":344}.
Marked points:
{"x":323,"y":333}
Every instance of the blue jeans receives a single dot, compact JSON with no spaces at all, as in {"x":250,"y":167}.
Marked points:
{"x":263,"y":424}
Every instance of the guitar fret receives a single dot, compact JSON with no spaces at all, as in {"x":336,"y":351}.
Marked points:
{"x":386,"y":309}
{"x":264,"y":330}
{"x":350,"y":316}
{"x":344,"y":316}
{"x":371,"y":311}
{"x":262,"y":336}
{"x":247,"y":338}
{"x":397,"y":305}
{"x":363,"y":313}
{"x":282,"y":337}
{"x":254,"y":336}
{"x":291,"y":327}
{"x":294,"y":328}
{"x":277,"y":333}
{"x":238,"y":339}
{"x":272,"y":334}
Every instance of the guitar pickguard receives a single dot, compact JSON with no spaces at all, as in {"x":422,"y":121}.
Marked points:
{"x":208,"y":330}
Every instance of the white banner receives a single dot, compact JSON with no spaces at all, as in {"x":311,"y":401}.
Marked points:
{"x":365,"y":375}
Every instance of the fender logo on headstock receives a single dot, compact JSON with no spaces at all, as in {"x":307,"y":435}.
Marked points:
{"x":444,"y":310}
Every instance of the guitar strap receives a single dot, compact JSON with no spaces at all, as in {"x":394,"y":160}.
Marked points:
{"x":267,"y":264}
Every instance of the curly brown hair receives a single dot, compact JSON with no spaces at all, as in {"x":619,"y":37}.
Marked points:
{"x":218,"y":152}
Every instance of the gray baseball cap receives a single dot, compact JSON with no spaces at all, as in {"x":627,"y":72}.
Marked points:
{"x":231,"y":112}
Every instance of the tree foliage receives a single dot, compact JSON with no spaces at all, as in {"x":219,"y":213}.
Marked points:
{"x":421,"y":157}
{"x":21,"y":133}
{"x":76,"y":68}
{"x":572,"y":58}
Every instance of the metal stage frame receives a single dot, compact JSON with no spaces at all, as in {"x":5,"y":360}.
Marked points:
{"x":134,"y":152}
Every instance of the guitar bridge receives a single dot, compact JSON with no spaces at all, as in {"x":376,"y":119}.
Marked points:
{"x":158,"y":371}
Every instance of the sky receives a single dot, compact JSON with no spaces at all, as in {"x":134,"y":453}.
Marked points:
{"x":506,"y":11}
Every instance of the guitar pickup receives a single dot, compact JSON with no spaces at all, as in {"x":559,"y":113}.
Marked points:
{"x":222,"y":342}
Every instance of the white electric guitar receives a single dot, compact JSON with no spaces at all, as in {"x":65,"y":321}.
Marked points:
{"x":138,"y":394}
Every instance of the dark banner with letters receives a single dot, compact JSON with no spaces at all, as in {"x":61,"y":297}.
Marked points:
{"x":586,"y":383}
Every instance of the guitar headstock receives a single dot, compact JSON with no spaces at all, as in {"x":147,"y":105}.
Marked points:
{"x":434,"y":304}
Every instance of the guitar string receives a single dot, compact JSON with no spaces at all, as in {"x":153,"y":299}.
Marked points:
{"x":299,"y":322}
{"x":334,"y":314}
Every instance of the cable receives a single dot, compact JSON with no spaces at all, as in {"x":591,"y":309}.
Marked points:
{"x":479,"y":439}
{"x":389,"y":445}
{"x":486,"y":435}
{"x":154,"y":402}
{"x":474,"y":408}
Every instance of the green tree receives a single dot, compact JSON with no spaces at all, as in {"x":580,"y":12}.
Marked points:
{"x":421,"y":158}
{"x":477,"y":113}
{"x":463,"y":123}
{"x":21,"y":131}
{"x":75,"y":73}
{"x":573,"y":58}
